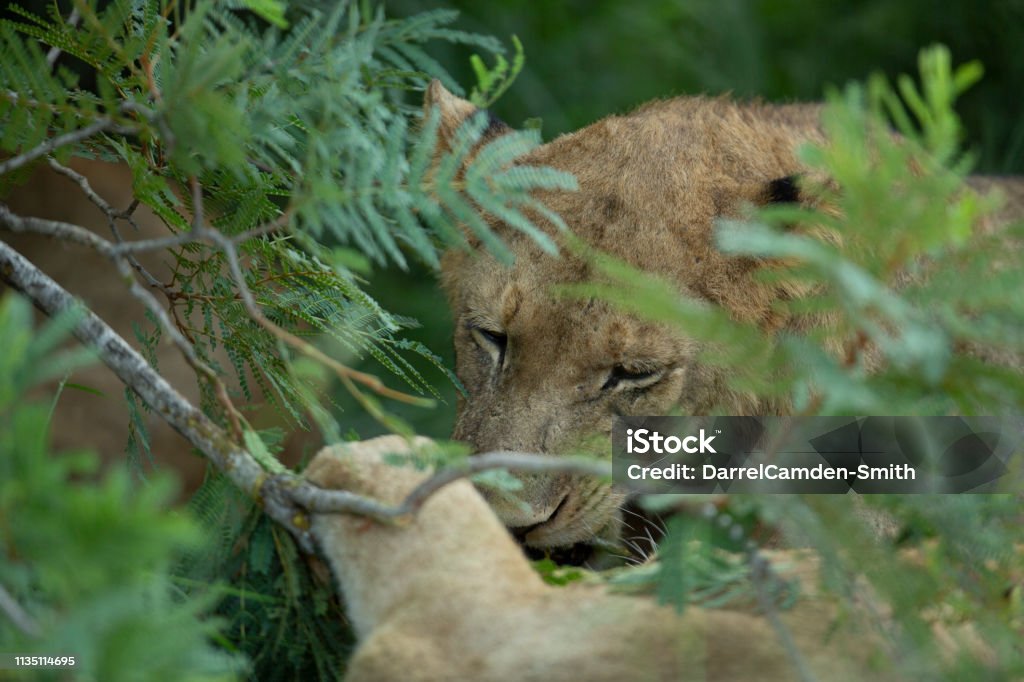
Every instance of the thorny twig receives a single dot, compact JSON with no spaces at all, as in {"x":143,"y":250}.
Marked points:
{"x":228,"y":245}
{"x":111,"y":213}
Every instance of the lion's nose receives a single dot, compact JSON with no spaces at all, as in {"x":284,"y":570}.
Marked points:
{"x":520,"y":532}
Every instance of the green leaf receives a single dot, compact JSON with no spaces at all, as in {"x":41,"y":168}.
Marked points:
{"x":271,"y":11}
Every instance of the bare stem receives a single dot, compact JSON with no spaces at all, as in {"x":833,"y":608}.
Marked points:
{"x":105,"y":248}
{"x":132,"y":369}
{"x":319,"y":500}
{"x":112,"y":215}
{"x":79,"y":235}
{"x":17,"y":615}
{"x":45,"y":148}
{"x":54,"y":54}
{"x":760,"y":573}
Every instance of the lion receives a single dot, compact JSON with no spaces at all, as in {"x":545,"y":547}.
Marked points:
{"x":542,"y":371}
{"x":450,"y":596}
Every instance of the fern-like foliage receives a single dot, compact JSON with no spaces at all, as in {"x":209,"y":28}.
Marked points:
{"x":88,"y":560}
{"x":301,"y":121}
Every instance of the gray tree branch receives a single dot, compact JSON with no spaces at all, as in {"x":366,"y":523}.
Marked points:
{"x":286,"y":498}
{"x":133,"y":370}
{"x":760,"y":574}
{"x":311,"y":498}
{"x":113,"y":215}
{"x":122,"y":261}
{"x":200,"y":233}
{"x":16,"y":614}
{"x":45,"y":148}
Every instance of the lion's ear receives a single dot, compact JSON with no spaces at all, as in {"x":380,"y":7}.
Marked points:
{"x":799,"y":188}
{"x":454,"y":111}
{"x":784,"y":190}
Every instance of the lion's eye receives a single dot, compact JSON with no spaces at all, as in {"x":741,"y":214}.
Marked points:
{"x":625,"y":377}
{"x":495,"y":343}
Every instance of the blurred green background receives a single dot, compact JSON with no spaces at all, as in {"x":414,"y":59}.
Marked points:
{"x":586,"y":59}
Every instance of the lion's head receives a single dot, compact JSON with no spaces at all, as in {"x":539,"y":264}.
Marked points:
{"x":543,"y":372}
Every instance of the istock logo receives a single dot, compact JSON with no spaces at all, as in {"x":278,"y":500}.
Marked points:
{"x":642,"y":441}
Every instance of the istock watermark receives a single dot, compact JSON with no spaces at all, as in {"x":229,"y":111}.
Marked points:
{"x":818,"y":454}
{"x":642,"y":441}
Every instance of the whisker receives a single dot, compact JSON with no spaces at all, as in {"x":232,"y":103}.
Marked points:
{"x":623,"y":508}
{"x":656,"y":522}
{"x":641,"y":554}
{"x":650,"y":537}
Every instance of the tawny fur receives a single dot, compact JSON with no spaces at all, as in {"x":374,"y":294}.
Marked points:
{"x":651,"y":185}
{"x":451,"y":597}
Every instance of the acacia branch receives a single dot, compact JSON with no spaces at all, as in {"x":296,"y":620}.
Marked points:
{"x":285,"y":497}
{"x":344,"y":372}
{"x":97,"y":126}
{"x":131,"y":368}
{"x":79,"y":235}
{"x":16,"y":614}
{"x":760,"y":574}
{"x":174,"y":331}
{"x":82,"y":236}
{"x":112,"y":215}
{"x":321,"y":500}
